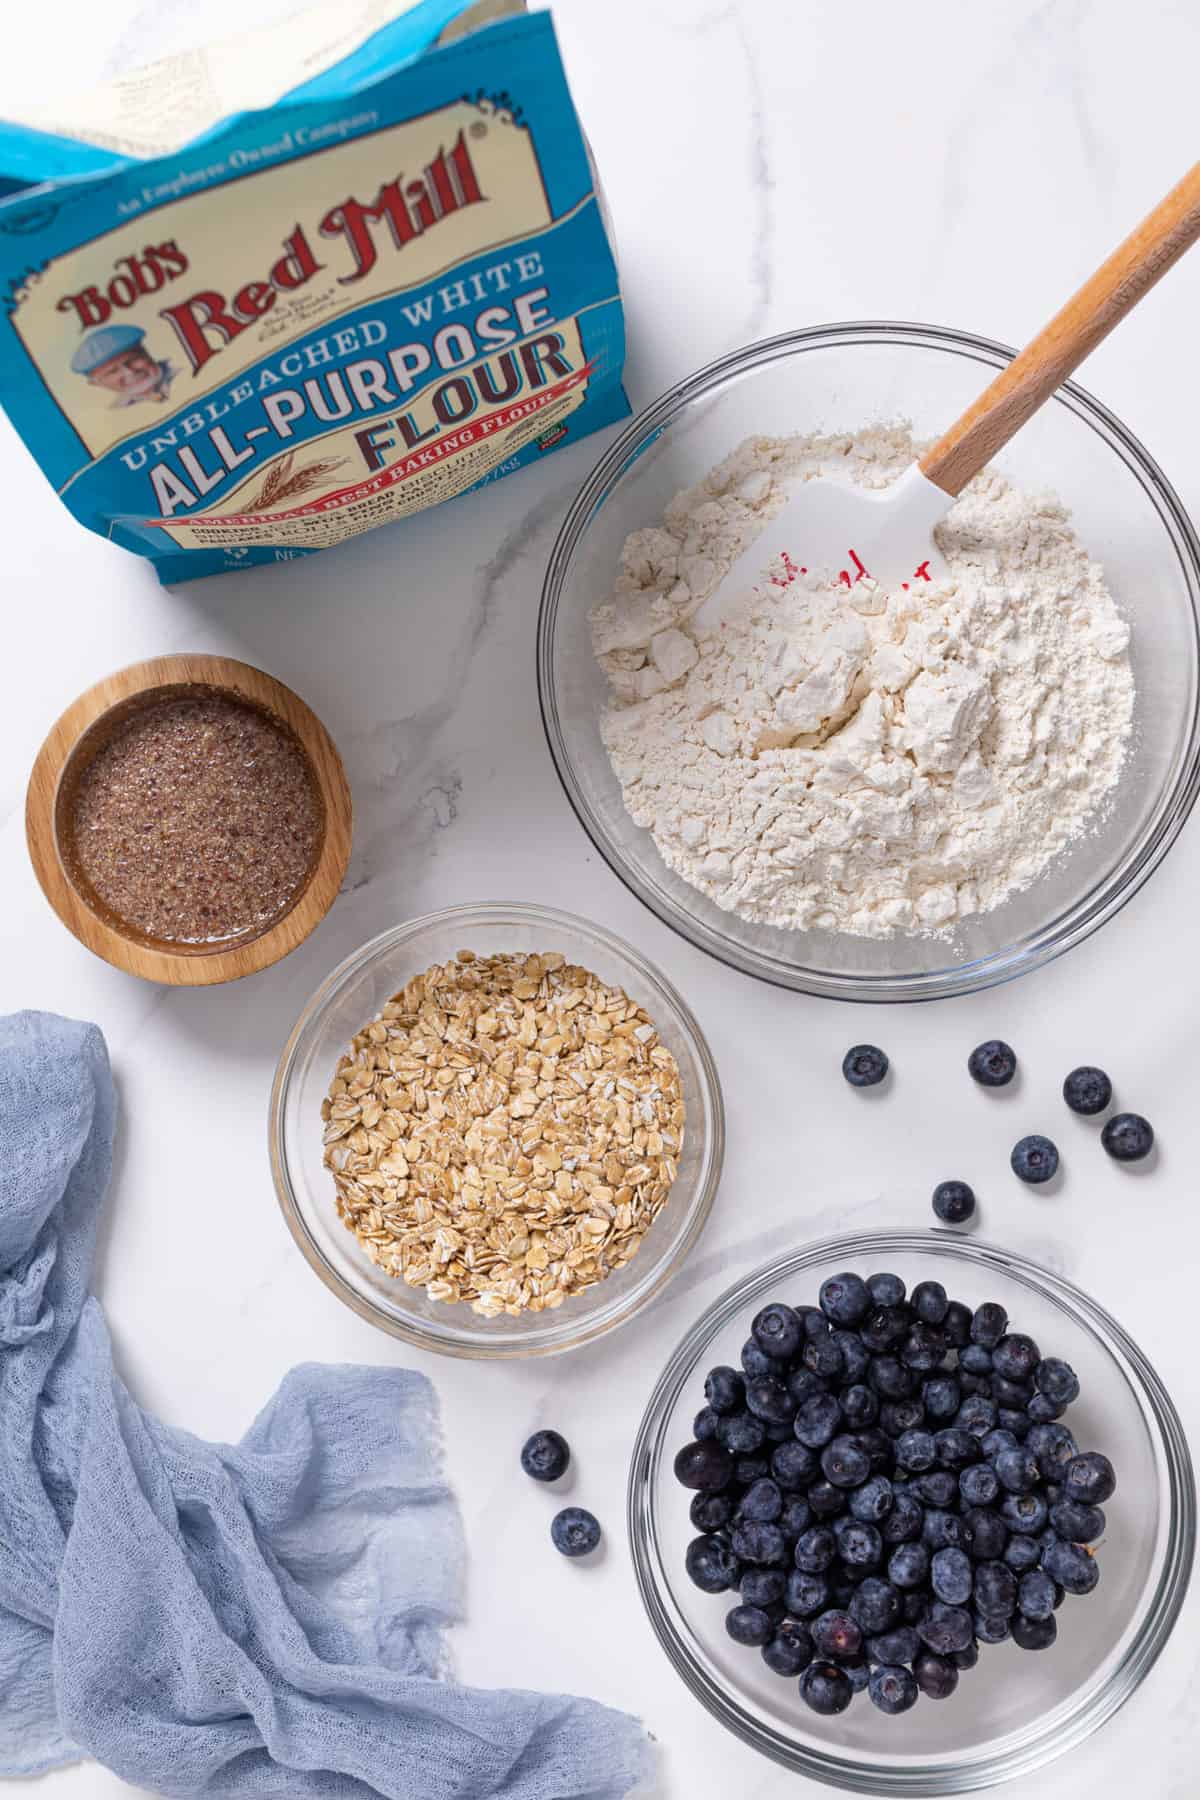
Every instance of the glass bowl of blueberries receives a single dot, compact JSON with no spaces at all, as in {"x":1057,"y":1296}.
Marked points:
{"x":911,"y":1515}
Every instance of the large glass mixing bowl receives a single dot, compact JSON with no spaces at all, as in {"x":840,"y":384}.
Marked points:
{"x":1128,"y":516}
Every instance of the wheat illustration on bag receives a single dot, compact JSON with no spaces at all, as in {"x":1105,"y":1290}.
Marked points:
{"x":284,"y":482}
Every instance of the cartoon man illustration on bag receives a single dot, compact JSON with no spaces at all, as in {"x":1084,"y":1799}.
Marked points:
{"x":116,"y":358}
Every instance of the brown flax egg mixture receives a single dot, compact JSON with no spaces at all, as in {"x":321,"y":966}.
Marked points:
{"x":198,"y":821}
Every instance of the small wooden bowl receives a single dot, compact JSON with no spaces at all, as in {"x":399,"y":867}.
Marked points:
{"x":113,"y":701}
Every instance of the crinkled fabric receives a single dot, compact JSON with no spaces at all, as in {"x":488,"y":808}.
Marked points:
{"x":254,"y":1619}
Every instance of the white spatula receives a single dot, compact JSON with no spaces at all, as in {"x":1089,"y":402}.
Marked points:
{"x":837,"y":528}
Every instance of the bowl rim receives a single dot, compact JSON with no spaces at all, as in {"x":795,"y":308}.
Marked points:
{"x":414,"y":1331}
{"x":1038,"y":1745}
{"x":1103,"y":900}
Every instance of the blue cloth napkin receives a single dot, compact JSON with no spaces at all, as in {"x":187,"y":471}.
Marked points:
{"x":254,"y":1619}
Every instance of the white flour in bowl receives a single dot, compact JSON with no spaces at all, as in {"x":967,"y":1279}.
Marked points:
{"x":841,"y":757}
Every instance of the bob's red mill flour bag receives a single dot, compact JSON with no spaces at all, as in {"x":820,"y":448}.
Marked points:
{"x":261,"y":297}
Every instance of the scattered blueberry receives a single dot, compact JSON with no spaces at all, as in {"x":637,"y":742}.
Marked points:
{"x":1057,"y":1380}
{"x":749,"y":1625}
{"x":545,"y":1456}
{"x":711,"y":1564}
{"x":893,"y":1688}
{"x":1087,"y":1090}
{"x":1035,"y":1595}
{"x":826,"y":1688}
{"x":1079,"y":1523}
{"x":865,"y":1065}
{"x":1089,"y":1478}
{"x":992,"y":1064}
{"x":575,"y":1531}
{"x":1034,"y":1159}
{"x":709,"y":1512}
{"x":936,"y":1677}
{"x":1128,"y":1137}
{"x":790,"y":1650}
{"x":954,"y":1202}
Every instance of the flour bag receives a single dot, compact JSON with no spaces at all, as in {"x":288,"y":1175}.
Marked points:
{"x":261,"y":297}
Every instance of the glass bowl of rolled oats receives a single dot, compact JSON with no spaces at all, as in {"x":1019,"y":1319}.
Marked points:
{"x":496,"y":1131}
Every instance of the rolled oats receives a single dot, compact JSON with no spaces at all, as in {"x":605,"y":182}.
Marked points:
{"x":505,"y":1132}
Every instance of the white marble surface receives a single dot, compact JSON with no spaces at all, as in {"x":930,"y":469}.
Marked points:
{"x":769,"y":164}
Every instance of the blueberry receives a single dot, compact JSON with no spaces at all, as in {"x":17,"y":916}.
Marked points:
{"x":1021,"y":1553}
{"x":749,"y":1625}
{"x":1057,"y":1380}
{"x":974,"y":1359}
{"x":946,"y":1628}
{"x":988,"y":1325}
{"x":806,"y":1594}
{"x":845,"y":1299}
{"x":708,"y":1512}
{"x":755,"y":1361}
{"x":1087,"y":1090}
{"x":979,"y":1485}
{"x":992,"y":1628}
{"x":936,"y":1677}
{"x":988,"y":1534}
{"x":1035,"y":1595}
{"x":793,"y":1465}
{"x":802,"y":1384}
{"x":1034,"y":1634}
{"x":769,"y":1401}
{"x":939,"y":1488}
{"x":889,"y":1377}
{"x":545,"y":1456}
{"x":956,"y":1447}
{"x":754,"y":1542}
{"x":876,"y":1605}
{"x":777,"y":1331}
{"x":762,"y":1502}
{"x":1025,"y":1513}
{"x":855,"y":1355}
{"x":957,"y":1324}
{"x":908,"y":1566}
{"x":941,"y":1398}
{"x":976,"y":1416}
{"x":790,"y":1650}
{"x":817,"y":1421}
{"x":1089,"y":1478}
{"x":795,"y":1518}
{"x":749,"y":1469}
{"x":929,"y":1302}
{"x":1078,"y":1523}
{"x":995,"y":1590}
{"x":893,"y":1688}
{"x":740,"y":1432}
{"x":873,"y":1501}
{"x":916,"y":1450}
{"x":859,"y":1544}
{"x":1034,"y":1159}
{"x":1017,"y":1469}
{"x":898,"y":1416}
{"x":859,"y":1405}
{"x":725,"y":1390}
{"x":923,"y":1349}
{"x":711,"y":1565}
{"x":1016,"y":1357}
{"x":704,"y":1425}
{"x":965,"y":1659}
{"x":823,"y":1355}
{"x":703,"y":1465}
{"x":886,"y":1289}
{"x":996,"y":1440}
{"x":899,"y":1645}
{"x":952,"y":1576}
{"x":844,"y":1463}
{"x":1072,"y":1567}
{"x":885,"y":1326}
{"x":903,"y":1524}
{"x":825,"y":1688}
{"x":835,"y":1633}
{"x":865,"y":1065}
{"x":1128,"y":1137}
{"x":763,"y":1587}
{"x":815,"y":1550}
{"x":1011,"y":1419}
{"x":826,"y":1501}
{"x":576,"y":1532}
{"x":913,"y":1606}
{"x":945,"y":1529}
{"x":1042,"y":1411}
{"x":954,"y":1202}
{"x":1013,"y":1396}
{"x":992,"y":1064}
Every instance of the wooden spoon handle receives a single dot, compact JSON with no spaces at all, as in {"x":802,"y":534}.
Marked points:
{"x":1072,"y":334}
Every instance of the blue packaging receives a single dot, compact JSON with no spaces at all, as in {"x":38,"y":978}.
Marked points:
{"x":387,"y":288}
